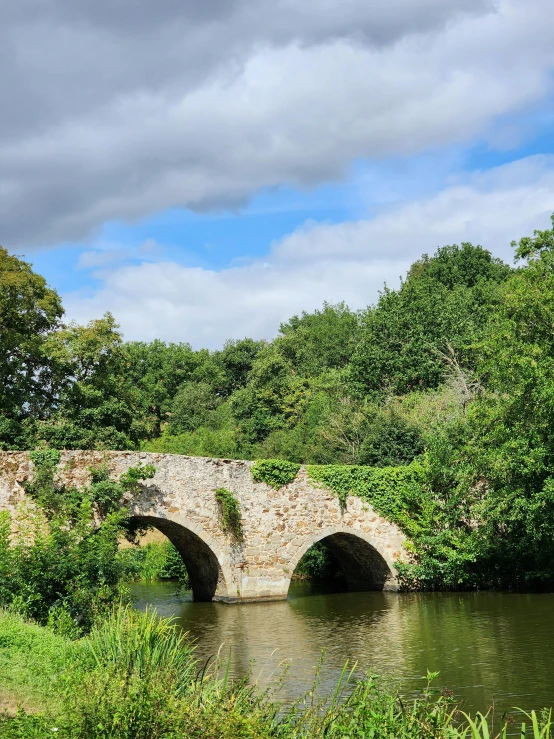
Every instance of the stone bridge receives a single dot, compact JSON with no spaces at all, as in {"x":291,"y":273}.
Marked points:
{"x":278,"y":526}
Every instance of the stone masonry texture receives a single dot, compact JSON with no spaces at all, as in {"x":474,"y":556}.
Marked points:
{"x":278,"y":526}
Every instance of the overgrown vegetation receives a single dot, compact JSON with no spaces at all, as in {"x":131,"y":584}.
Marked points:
{"x":274,"y":472}
{"x":394,"y":491}
{"x":60,"y":565}
{"x":446,"y":384}
{"x":154,"y":561}
{"x":229,"y":508}
{"x":135,"y":677}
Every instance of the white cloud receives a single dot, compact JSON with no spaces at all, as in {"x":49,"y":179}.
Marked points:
{"x":349,"y":261}
{"x":119,"y":110}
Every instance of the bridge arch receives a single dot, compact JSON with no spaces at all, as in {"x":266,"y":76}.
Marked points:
{"x":200,"y":553}
{"x":363,"y":560}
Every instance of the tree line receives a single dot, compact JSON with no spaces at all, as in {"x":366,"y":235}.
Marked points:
{"x":331,"y":387}
{"x":454,"y":369}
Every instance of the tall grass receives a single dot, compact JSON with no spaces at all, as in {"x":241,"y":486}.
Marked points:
{"x":143,"y":644}
{"x":532,"y":726}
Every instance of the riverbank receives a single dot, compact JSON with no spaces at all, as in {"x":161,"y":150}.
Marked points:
{"x":136,"y":676}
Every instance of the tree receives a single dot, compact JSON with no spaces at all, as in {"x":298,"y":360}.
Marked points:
{"x":93,"y":407}
{"x":390,"y":441}
{"x":444,"y":301}
{"x":192,"y":407}
{"x":273,"y":398}
{"x":237,"y":359}
{"x":155,"y":372}
{"x":30,"y":312}
{"x":319,"y":341}
{"x":493,"y":469}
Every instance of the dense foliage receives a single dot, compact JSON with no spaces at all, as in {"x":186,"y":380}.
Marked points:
{"x":445,"y":387}
{"x":274,"y":472}
{"x":60,"y":565}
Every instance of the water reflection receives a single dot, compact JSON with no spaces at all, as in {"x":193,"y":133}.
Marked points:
{"x":487,"y":646}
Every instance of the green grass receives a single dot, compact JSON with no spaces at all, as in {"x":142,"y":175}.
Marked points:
{"x":135,"y":677}
{"x":31,"y":661}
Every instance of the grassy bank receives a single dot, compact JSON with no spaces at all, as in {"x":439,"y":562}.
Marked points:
{"x":31,"y":661}
{"x":135,"y":677}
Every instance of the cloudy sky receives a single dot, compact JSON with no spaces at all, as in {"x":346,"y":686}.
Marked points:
{"x":204,"y":170}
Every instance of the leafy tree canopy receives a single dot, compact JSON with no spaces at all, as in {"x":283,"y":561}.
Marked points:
{"x":444,"y":301}
{"x":30,"y":312}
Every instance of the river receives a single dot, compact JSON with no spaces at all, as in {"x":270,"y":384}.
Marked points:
{"x":487,"y":647}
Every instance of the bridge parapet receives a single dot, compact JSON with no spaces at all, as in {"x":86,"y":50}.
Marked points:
{"x":278,"y":526}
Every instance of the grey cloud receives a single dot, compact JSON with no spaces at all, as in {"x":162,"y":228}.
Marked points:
{"x":114,"y":110}
{"x":380,"y":20}
{"x":63,"y":57}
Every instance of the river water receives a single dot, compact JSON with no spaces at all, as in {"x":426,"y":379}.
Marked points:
{"x":488,"y":647}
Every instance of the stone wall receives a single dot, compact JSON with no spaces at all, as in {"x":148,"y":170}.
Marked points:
{"x":279,"y":526}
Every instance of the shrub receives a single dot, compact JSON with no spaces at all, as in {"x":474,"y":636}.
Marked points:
{"x":64,"y":569}
{"x":274,"y":472}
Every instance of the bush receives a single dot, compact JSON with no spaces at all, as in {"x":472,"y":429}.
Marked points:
{"x":274,"y":472}
{"x":64,"y":569}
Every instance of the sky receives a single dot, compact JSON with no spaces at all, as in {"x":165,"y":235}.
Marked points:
{"x":204,"y":171}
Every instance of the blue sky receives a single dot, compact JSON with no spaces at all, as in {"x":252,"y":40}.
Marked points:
{"x":214,"y":172}
{"x":211,"y":240}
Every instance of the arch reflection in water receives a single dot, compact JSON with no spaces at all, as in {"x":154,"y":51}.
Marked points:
{"x":263,"y":638}
{"x":487,"y":646}
{"x":362,"y":566}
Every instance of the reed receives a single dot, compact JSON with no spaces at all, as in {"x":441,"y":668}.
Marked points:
{"x":531,"y":726}
{"x":133,"y":642}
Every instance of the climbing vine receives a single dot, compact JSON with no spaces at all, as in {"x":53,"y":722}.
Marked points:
{"x":404,"y":496}
{"x":395,"y":492}
{"x":230,"y":512}
{"x":274,"y":472}
{"x":103,"y":493}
